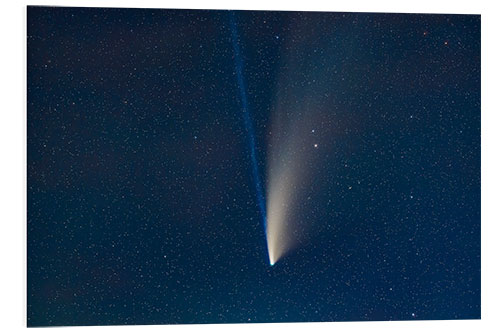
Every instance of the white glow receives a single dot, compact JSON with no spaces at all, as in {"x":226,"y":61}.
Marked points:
{"x":279,"y":197}
{"x":303,"y":100}
{"x":287,"y":174}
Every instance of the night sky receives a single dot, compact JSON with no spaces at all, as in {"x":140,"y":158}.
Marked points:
{"x":148,"y":136}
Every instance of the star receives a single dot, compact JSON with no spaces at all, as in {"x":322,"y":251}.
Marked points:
{"x":315,"y":145}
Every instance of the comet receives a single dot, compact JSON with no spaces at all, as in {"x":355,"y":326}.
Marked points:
{"x":297,"y":110}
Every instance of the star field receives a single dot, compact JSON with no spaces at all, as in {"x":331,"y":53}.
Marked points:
{"x":141,"y":198}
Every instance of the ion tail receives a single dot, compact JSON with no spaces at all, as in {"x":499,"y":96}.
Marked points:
{"x":238,"y":62}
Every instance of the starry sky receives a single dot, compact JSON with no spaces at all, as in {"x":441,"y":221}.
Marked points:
{"x":147,"y":131}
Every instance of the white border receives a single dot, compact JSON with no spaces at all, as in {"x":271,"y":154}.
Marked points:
{"x":13,"y":141}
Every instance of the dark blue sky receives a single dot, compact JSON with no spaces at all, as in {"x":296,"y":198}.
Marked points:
{"x":142,"y":205}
